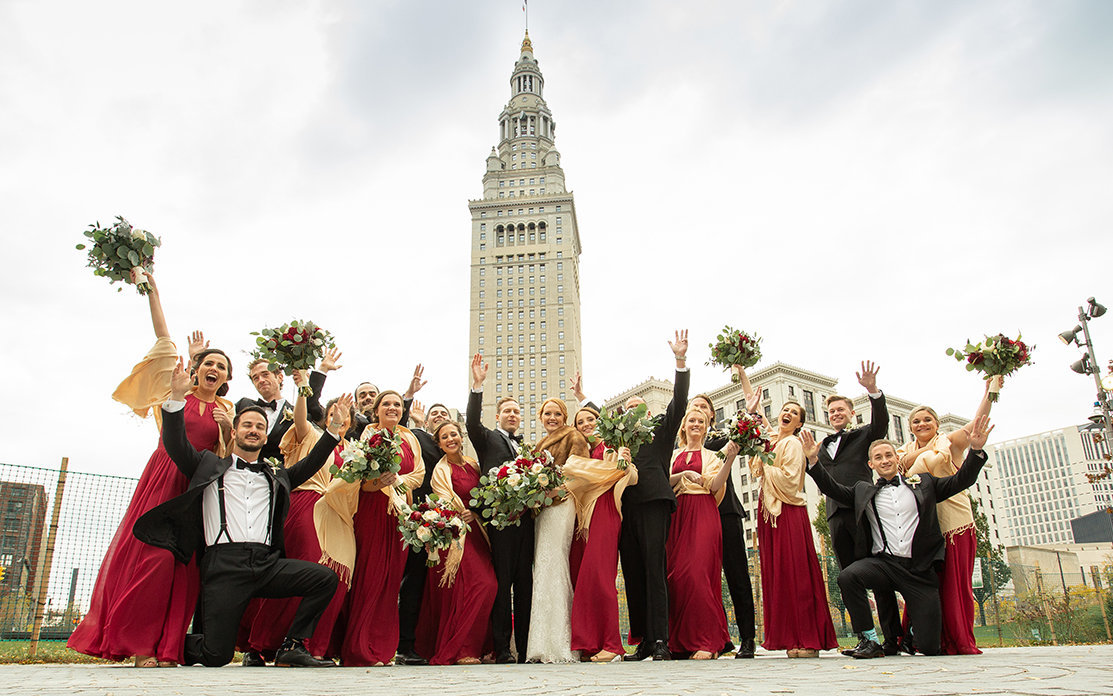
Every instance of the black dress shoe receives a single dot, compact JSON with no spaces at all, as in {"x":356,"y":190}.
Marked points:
{"x":504,"y":658}
{"x":410,"y":658}
{"x":252,"y":658}
{"x":660,"y":651}
{"x":728,"y":648}
{"x":746,"y":650}
{"x":891,"y":646}
{"x":638,"y":655}
{"x":866,"y":649}
{"x":293,"y":654}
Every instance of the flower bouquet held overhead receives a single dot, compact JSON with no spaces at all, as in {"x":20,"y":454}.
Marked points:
{"x":995,"y":357}
{"x":115,"y":250}
{"x":506,"y":492}
{"x":431,"y":526}
{"x":297,"y":345}
{"x":630,"y":428}
{"x":735,"y":350}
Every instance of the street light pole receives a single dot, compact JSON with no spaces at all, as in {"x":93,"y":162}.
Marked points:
{"x":1103,"y":401}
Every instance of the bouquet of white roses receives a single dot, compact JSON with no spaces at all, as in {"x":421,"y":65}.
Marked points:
{"x":297,"y":345}
{"x":367,"y":460}
{"x":505,"y":492}
{"x":115,"y":250}
{"x":431,"y":526}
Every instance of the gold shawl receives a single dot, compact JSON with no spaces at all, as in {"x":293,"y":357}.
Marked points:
{"x":587,"y":479}
{"x":563,"y":443}
{"x":782,"y":482}
{"x":955,"y":513}
{"x":148,"y":386}
{"x":333,"y":513}
{"x":293,"y":451}
{"x":441,"y":483}
{"x":711,"y":465}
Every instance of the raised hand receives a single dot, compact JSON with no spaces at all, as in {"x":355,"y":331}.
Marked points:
{"x":331,"y":360}
{"x":478,"y":371}
{"x":340,"y":409}
{"x":138,"y":275}
{"x":197,"y":343}
{"x":180,"y":382}
{"x":731,"y":450}
{"x":753,"y":401}
{"x":811,"y":447}
{"x":301,"y":378}
{"x":223,"y":417}
{"x":417,"y":412}
{"x":680,"y":345}
{"x":868,"y":376}
{"x":416,"y":383}
{"x":980,"y":432}
{"x":576,"y":386}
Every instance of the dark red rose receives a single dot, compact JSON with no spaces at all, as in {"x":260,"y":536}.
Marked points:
{"x":440,"y":525}
{"x":975,"y":358}
{"x":504,"y":472}
{"x":415,"y":515}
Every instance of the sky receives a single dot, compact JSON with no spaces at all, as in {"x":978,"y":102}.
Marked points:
{"x":850,"y":180}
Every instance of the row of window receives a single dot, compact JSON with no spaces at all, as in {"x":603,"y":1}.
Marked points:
{"x":521,"y":182}
{"x":521,"y":303}
{"x":483,"y":213}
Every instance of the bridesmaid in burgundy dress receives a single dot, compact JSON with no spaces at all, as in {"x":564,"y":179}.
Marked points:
{"x":697,"y":621}
{"x":143,"y":599}
{"x":358,"y":531}
{"x":794,"y":603}
{"x":455,"y":623}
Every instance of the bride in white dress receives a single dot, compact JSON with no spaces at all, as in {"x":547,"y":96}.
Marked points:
{"x":550,"y":625}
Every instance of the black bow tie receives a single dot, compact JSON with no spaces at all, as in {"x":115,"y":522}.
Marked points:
{"x":515,"y":437}
{"x":881,"y":483}
{"x":257,"y":467}
{"x":272,"y":405}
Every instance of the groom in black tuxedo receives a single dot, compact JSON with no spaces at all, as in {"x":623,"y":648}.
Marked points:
{"x":511,"y":548}
{"x":906,"y":546}
{"x":234,"y":510}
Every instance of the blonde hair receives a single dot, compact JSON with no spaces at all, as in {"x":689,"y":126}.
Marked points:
{"x":560,"y":405}
{"x":684,"y":433}
{"x":916,"y":410}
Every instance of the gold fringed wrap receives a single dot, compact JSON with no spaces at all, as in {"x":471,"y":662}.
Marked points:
{"x":587,"y":479}
{"x":333,"y":513}
{"x":147,"y":388}
{"x":782,"y":482}
{"x":441,"y":483}
{"x":711,"y":466}
{"x":955,"y":513}
{"x":294,"y":450}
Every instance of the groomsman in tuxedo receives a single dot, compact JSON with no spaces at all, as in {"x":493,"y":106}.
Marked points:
{"x":234,"y":510}
{"x":511,"y":548}
{"x":906,"y":545}
{"x":647,"y":507}
{"x":844,"y":456}
{"x":413,"y":579}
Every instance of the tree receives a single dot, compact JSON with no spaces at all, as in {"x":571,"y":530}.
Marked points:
{"x":827,"y":551}
{"x":995,"y":571}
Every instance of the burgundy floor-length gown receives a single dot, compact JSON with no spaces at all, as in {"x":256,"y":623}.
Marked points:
{"x":144,"y":599}
{"x":956,"y":596}
{"x":456,"y":620}
{"x":594,"y":566}
{"x":793,"y":599}
{"x":371,"y":630}
{"x":697,"y":620}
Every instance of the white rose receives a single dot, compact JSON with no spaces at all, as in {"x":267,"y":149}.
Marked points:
{"x":430,"y":516}
{"x":536,"y":467}
{"x":514,"y":480}
{"x":424,"y":533}
{"x":139,"y":235}
{"x":543,"y":479}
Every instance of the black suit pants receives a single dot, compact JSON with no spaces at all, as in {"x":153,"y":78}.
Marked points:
{"x":409,"y":598}
{"x":885,"y":576}
{"x":512,"y":557}
{"x":231,"y":574}
{"x":736,"y":568}
{"x":847,"y":538}
{"x":641,"y":547}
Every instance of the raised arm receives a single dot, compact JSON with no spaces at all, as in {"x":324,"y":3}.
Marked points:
{"x":675,"y":411}
{"x":321,"y":453}
{"x":879,"y":412}
{"x":301,"y":407}
{"x":174,"y":439}
{"x":158,"y":319}
{"x":960,"y":439}
{"x":477,"y":433}
{"x":967,"y":474}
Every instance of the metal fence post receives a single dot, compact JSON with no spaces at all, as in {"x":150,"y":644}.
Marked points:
{"x":1101,"y":600}
{"x":42,"y":580}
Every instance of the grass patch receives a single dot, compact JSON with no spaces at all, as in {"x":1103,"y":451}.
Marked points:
{"x":17,"y":652}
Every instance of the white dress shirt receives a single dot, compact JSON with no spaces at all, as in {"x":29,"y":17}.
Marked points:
{"x":899,"y":517}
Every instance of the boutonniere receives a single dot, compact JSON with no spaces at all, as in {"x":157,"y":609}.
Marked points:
{"x":274,"y":464}
{"x":287,"y":414}
{"x":913,"y":480}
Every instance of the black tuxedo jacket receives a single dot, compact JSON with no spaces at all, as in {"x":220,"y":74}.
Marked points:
{"x":928,"y":545}
{"x":281,"y":425}
{"x":654,"y":459}
{"x":731,"y":505}
{"x":177,"y":525}
{"x":431,"y":454}
{"x":492,"y":447}
{"x":851,"y":461}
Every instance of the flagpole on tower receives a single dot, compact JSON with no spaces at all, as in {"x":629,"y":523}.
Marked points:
{"x":525,"y":8}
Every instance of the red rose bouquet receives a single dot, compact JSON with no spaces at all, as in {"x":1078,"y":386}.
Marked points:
{"x":431,"y":526}
{"x":733,"y":350}
{"x":115,"y":250}
{"x":995,"y":357}
{"x":505,"y":492}
{"x":370,"y":458}
{"x":294,"y":346}
{"x":745,"y":430}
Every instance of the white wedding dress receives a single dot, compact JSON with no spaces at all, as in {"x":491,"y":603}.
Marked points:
{"x":550,"y":623}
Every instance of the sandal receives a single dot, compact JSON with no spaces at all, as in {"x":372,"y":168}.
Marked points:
{"x":468,"y":661}
{"x":146,"y":661}
{"x":603,"y":656}
{"x":700,"y":655}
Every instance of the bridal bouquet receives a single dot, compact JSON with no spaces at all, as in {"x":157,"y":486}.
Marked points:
{"x":294,"y":346}
{"x":631,"y":428}
{"x":367,"y":460}
{"x":995,"y":357}
{"x":505,"y":492}
{"x":115,"y":250}
{"x":431,"y":526}
{"x":734,"y":349}
{"x":745,"y":431}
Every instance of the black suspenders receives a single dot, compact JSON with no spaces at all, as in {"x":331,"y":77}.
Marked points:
{"x":224,"y":515}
